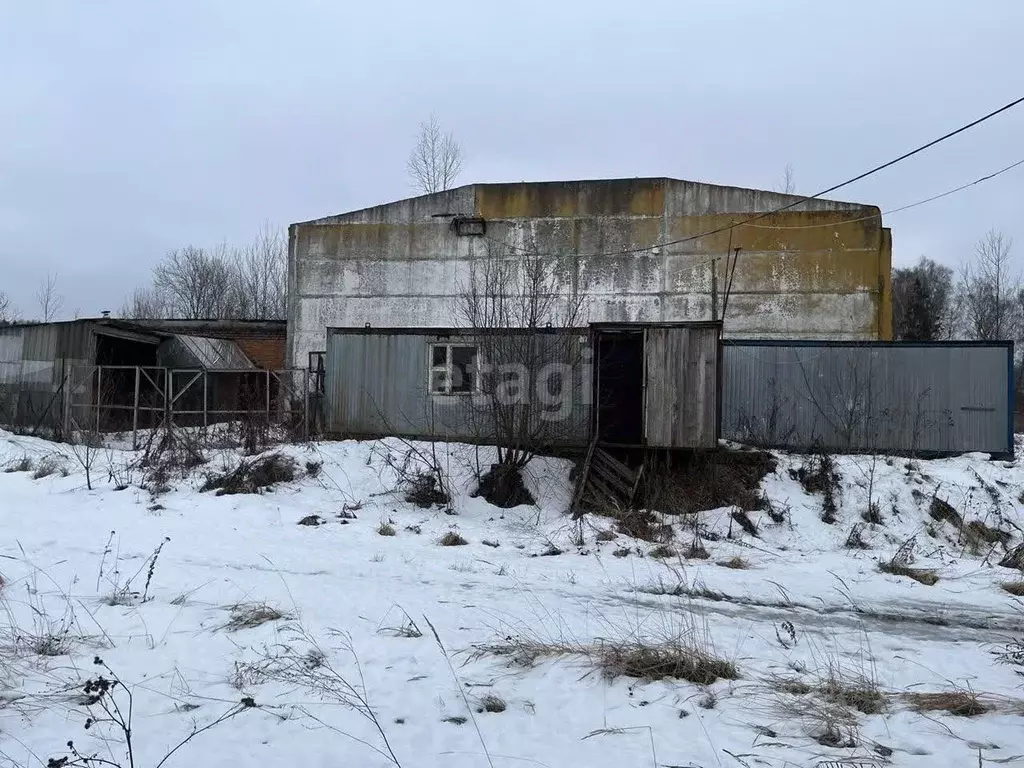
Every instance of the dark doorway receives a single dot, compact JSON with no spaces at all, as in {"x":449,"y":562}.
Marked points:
{"x":620,"y":387}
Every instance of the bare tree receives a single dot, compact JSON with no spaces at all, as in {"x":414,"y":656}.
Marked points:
{"x":260,"y":272}
{"x":436,"y":160}
{"x":7,"y":312}
{"x":197,"y":284}
{"x":787,"y":184}
{"x":521,"y":308}
{"x":990,"y":291}
{"x":49,"y":300}
{"x":922,"y":302}
{"x":144,"y":304}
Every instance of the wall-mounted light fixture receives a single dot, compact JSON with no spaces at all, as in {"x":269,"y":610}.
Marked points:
{"x":469,"y":226}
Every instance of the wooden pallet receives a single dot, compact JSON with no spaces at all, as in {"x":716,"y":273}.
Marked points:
{"x":604,"y":483}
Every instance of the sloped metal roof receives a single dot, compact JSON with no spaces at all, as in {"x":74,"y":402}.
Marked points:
{"x":181,"y":351}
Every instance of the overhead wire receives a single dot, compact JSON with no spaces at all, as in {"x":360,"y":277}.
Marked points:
{"x":890,"y":212}
{"x":788,"y":206}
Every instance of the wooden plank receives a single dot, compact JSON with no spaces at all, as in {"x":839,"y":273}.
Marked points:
{"x":605,"y":459}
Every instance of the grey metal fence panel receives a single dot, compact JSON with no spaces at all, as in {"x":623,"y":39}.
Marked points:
{"x":900,"y":398}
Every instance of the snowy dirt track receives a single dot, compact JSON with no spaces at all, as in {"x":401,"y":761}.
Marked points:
{"x":243,"y":603}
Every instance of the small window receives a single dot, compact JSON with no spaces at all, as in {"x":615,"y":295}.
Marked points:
{"x":453,"y":369}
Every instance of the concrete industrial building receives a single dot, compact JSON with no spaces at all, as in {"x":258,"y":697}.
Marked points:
{"x":637,"y":247}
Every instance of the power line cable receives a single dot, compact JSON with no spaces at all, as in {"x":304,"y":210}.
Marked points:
{"x":793,"y":204}
{"x":931,"y":199}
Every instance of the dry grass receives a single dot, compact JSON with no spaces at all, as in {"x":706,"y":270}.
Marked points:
{"x":385,"y":528}
{"x":662,"y":552}
{"x":1015,"y":588}
{"x":251,"y":615}
{"x":452,"y":539}
{"x":48,"y":466}
{"x":491,"y":703}
{"x":924,"y":576}
{"x":696,"y":550}
{"x":737,"y":563}
{"x":680,"y":651}
{"x":676,"y":661}
{"x":960,"y":703}
{"x":606,"y":535}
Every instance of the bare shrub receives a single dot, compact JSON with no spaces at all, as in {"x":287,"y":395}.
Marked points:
{"x":961,"y":703}
{"x":251,"y":615}
{"x":170,"y":453}
{"x":48,"y":466}
{"x":818,"y":475}
{"x":873,"y":514}
{"x":452,"y":539}
{"x":645,"y":525}
{"x":24,"y":464}
{"x":252,"y":475}
{"x":855,"y":538}
{"x":621,"y":552}
{"x":110,"y":705}
{"x":425,"y":491}
{"x":606,"y":535}
{"x":503,"y":487}
{"x":313,"y":468}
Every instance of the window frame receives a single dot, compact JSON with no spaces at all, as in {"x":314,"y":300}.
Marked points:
{"x":447,"y":369}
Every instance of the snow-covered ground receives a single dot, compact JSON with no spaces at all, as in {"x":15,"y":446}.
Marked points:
{"x":406,"y":622}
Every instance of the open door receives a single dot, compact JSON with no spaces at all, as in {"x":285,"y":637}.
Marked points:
{"x":681,"y":404}
{"x":620,"y":388}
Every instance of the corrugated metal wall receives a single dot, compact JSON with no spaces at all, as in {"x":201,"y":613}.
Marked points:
{"x":34,"y":360}
{"x":897,"y":398}
{"x":376,"y":383}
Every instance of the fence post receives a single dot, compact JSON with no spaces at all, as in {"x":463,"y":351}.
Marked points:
{"x":205,"y":375}
{"x":168,"y":402}
{"x":268,"y":396}
{"x":135,"y":413}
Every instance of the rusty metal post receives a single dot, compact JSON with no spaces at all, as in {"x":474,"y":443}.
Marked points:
{"x":268,"y":396}
{"x":135,"y":413}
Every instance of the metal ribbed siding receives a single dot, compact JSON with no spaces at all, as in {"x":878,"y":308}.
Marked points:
{"x":376,"y":383}
{"x":898,"y":398}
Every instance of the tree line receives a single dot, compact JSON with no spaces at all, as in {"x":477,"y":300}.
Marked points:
{"x":983,"y":301}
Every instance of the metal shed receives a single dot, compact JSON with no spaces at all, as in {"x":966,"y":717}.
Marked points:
{"x":935,"y":398}
{"x":637,"y":385}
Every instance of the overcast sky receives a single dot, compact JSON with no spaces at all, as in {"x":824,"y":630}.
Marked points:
{"x":129,"y":128}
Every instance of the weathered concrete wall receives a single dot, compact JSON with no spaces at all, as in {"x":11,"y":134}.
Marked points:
{"x":820,"y":270}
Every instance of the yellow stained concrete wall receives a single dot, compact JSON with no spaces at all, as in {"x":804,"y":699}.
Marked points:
{"x":821,"y":270}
